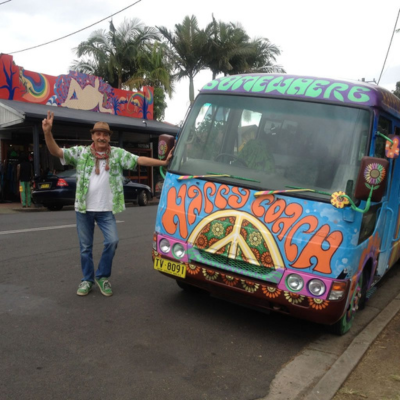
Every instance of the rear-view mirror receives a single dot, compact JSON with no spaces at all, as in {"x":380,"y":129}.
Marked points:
{"x":165,"y":144}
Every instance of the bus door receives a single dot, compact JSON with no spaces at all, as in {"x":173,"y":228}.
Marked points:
{"x":389,"y":219}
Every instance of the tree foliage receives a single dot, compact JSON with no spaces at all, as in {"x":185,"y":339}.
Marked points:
{"x":189,"y":46}
{"x":396,"y":92}
{"x":135,"y":55}
{"x":224,"y":48}
{"x":160,"y":105}
{"x":113,"y":54}
{"x":154,"y":69}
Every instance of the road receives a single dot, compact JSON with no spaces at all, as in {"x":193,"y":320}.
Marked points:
{"x":149,"y":341}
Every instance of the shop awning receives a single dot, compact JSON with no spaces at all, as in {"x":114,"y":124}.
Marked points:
{"x":20,"y":115}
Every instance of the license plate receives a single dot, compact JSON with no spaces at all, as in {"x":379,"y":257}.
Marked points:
{"x":44,"y":186}
{"x":170,"y":267}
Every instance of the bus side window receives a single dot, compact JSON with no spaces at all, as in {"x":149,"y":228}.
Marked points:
{"x":384,"y":127}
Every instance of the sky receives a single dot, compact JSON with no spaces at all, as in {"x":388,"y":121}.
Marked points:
{"x":344,"y":39}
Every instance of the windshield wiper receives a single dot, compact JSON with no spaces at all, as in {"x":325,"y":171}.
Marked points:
{"x":290,"y":190}
{"x":215,"y":175}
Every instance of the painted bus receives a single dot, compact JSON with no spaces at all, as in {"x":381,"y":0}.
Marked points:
{"x":283,"y":195}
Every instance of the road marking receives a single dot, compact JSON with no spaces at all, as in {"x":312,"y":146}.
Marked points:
{"x":45,"y":228}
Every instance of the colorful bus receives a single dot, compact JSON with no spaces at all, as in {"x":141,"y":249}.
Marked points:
{"x":283,"y":194}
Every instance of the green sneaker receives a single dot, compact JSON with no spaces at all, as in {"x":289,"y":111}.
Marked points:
{"x":84,"y":288}
{"x":105,"y":286}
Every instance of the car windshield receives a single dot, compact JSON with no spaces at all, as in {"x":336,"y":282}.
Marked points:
{"x":273,"y":144}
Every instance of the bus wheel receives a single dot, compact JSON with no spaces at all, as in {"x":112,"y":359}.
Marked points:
{"x":345,"y":323}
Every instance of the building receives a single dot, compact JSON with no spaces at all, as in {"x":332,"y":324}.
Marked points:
{"x":78,"y":101}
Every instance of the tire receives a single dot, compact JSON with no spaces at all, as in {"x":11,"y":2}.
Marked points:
{"x":54,"y":207}
{"x":346,"y":322}
{"x":143,"y":198}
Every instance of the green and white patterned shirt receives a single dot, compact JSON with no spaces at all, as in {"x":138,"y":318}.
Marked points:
{"x":82,"y":159}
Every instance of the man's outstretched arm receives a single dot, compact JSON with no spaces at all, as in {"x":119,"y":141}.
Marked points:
{"x":153,"y":162}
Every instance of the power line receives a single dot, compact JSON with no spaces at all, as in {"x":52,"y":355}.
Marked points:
{"x":394,"y":29}
{"x":5,"y":2}
{"x":80,"y":30}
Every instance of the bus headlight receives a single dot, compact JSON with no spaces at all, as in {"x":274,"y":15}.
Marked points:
{"x":316,"y":287}
{"x":294,"y":282}
{"x":165,"y":246}
{"x":178,"y":250}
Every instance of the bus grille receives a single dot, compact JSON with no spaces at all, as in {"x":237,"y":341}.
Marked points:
{"x":239,"y":267}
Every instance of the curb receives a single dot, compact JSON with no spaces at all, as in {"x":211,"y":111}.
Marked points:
{"x":331,"y":382}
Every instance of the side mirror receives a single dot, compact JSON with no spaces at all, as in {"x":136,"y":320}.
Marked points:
{"x":371,"y":181}
{"x":165,"y":144}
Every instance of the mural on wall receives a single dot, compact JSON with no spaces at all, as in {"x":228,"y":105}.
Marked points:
{"x":75,"y":90}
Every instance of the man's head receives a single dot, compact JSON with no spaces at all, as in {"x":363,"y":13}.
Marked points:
{"x":101,"y":135}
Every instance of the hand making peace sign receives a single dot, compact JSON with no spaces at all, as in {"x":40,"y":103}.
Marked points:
{"x":47,"y":123}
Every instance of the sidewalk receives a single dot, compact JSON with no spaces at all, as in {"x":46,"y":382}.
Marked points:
{"x":377,"y":376}
{"x":12,"y":207}
{"x":370,"y":367}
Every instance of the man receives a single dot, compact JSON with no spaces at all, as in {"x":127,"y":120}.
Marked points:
{"x":99,"y":195}
{"x":256,"y":154}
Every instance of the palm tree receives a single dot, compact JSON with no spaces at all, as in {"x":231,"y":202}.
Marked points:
{"x":396,"y":92}
{"x":232,"y":52}
{"x":112,"y":54}
{"x":226,"y":42}
{"x":189,"y":46}
{"x":263,"y":57}
{"x":154,"y":69}
{"x":260,"y":56}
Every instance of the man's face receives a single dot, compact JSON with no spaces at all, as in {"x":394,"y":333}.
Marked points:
{"x":101,"y":140}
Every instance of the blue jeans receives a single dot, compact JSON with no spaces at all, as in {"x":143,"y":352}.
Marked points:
{"x":85,"y":225}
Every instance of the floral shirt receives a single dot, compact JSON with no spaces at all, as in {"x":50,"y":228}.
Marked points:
{"x":82,"y":159}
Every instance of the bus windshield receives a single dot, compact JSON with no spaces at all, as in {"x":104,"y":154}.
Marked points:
{"x":273,"y":144}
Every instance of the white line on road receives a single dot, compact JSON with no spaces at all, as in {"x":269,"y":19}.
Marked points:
{"x":45,"y":228}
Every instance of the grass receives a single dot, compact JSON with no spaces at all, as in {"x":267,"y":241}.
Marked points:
{"x":352,"y":392}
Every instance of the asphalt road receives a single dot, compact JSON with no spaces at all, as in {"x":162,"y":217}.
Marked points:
{"x":149,"y":341}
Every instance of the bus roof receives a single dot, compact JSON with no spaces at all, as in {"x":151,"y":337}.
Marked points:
{"x":307,"y":88}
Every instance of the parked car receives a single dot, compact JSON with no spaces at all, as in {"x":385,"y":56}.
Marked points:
{"x":57,"y":191}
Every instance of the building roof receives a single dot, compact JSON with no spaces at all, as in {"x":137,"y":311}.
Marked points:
{"x":17,"y":114}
